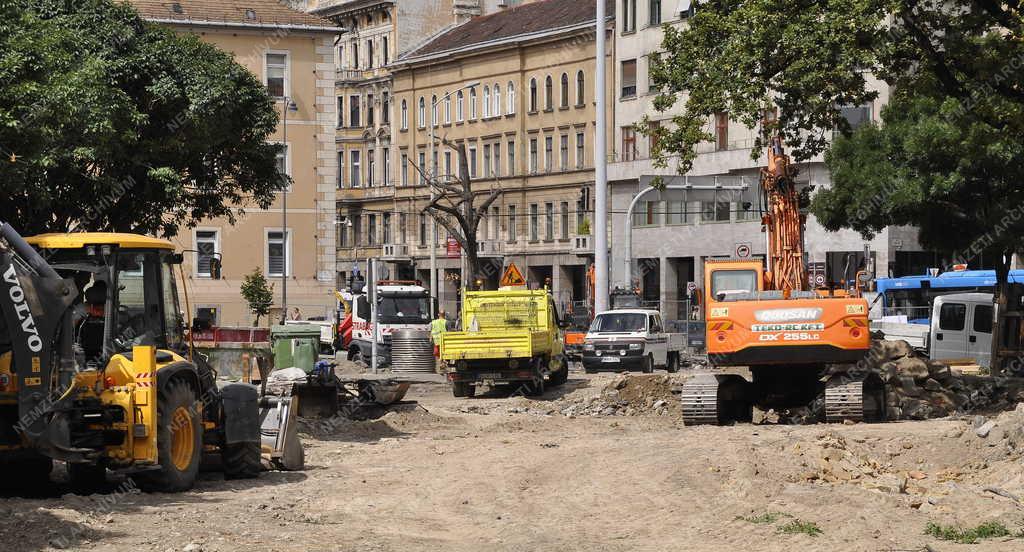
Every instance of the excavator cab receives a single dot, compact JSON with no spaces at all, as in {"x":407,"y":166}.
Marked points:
{"x":95,"y":369}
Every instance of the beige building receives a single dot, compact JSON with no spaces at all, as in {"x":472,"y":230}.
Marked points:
{"x":517,"y":88}
{"x":293,"y":54}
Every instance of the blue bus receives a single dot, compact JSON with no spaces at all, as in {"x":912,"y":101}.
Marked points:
{"x":912,"y":296}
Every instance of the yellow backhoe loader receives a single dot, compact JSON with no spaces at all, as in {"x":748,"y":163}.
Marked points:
{"x":96,"y":371}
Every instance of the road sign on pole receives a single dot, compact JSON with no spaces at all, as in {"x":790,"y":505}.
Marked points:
{"x":512,"y":277}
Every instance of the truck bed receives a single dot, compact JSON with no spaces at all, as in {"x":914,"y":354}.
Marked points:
{"x":493,"y":345}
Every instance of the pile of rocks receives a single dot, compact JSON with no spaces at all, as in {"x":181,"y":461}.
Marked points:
{"x":920,"y":389}
{"x":630,"y":395}
{"x":1005,"y":430}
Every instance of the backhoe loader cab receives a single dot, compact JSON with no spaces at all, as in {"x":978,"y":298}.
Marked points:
{"x":95,"y":369}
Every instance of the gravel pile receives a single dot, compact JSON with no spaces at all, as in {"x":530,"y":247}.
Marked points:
{"x":629,"y":395}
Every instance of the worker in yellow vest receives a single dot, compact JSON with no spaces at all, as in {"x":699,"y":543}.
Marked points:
{"x":437,"y":329}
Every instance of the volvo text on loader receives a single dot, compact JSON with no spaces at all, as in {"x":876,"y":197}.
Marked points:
{"x":95,"y":369}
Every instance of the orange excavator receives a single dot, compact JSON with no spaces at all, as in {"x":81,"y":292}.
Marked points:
{"x":800,"y":345}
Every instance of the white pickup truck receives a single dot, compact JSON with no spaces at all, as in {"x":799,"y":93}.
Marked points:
{"x":631,"y":339}
{"x":960,"y":327}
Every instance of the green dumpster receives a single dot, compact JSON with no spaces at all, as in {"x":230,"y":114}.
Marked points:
{"x":295,"y":346}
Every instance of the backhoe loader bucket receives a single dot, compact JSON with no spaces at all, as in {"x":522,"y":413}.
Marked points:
{"x":279,"y":435}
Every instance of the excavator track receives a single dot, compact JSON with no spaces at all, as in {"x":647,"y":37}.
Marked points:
{"x":700,"y":400}
{"x":857,"y":399}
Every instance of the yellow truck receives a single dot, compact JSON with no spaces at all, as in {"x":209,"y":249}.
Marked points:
{"x":508,"y":338}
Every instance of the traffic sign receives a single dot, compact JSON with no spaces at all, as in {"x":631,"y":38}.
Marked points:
{"x":691,"y":287}
{"x":743,"y":250}
{"x":512,"y":277}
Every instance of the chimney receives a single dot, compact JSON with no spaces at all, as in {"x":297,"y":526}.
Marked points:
{"x":464,"y":10}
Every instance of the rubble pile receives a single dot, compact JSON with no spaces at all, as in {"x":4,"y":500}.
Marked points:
{"x":921,"y":389}
{"x":630,"y":395}
{"x":1004,"y":433}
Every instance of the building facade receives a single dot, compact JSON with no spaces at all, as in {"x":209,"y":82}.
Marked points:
{"x":293,"y":54}
{"x":675,"y":231}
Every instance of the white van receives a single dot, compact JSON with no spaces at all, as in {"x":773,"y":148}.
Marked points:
{"x":961,"y":327}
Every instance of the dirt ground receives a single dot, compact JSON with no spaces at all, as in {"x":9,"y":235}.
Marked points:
{"x":510,"y":473}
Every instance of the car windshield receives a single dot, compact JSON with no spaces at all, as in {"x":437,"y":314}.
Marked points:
{"x":619,"y":322}
{"x":733,"y":282}
{"x":404,"y":310}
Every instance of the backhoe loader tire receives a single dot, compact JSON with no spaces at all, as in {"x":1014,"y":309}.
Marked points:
{"x":462,"y":390}
{"x":179,"y":440}
{"x":87,"y":479}
{"x":241,"y":461}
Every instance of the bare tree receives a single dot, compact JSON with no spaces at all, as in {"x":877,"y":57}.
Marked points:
{"x":454,"y":208}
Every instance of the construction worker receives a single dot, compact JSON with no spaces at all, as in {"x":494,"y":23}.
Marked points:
{"x":437,"y":329}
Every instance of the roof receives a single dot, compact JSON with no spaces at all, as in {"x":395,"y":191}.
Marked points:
{"x":254,"y":13}
{"x":82,"y":239}
{"x":525,"y":19}
{"x":965,"y":297}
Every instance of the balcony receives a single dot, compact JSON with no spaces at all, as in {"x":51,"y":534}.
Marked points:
{"x":490,"y":249}
{"x":358,"y":75}
{"x":356,"y":195}
{"x":395,"y":252}
{"x":581,"y":245}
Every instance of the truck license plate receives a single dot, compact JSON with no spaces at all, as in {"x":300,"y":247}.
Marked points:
{"x":610,"y":359}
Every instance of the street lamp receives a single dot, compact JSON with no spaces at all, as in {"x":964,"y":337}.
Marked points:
{"x":289,"y":105}
{"x":433,"y":221}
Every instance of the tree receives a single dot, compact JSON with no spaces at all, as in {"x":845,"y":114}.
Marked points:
{"x":454,"y":208}
{"x":109,"y":123}
{"x":258,"y":294}
{"x":947,"y":156}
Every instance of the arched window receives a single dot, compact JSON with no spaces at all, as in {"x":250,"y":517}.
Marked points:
{"x":497,"y":100}
{"x":460,"y":101}
{"x":511,"y":98}
{"x":487,"y":102}
{"x":421,"y":118}
{"x":580,"y":86}
{"x":433,"y":110}
{"x":405,"y":115}
{"x":447,"y":108}
{"x":565,"y":91}
{"x":533,"y":95}
{"x":549,"y":93}
{"x":472,"y":104}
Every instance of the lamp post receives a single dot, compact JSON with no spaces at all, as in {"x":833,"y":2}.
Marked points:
{"x":601,"y":168}
{"x":347,"y":222}
{"x":433,"y":222}
{"x":289,"y":105}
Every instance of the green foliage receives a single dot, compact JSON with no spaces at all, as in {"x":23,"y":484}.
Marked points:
{"x":258,"y":294}
{"x":801,"y":527}
{"x":764,"y":518}
{"x":988,"y":530}
{"x":115,"y":124}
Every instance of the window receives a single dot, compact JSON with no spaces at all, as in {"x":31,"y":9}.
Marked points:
{"x":405,"y":115}
{"x":355,"y":179}
{"x":460,"y":100}
{"x":564,"y":152}
{"x":495,"y":223}
{"x":629,"y":78}
{"x":581,"y":153}
{"x":646,"y":213}
{"x":655,"y":6}
{"x":386,"y":155}
{"x":355,"y":55}
{"x":433,"y":110}
{"x":565,"y":91}
{"x":405,"y":169}
{"x":628,"y":16}
{"x":386,"y":227}
{"x":533,"y":155}
{"x":580,"y":88}
{"x":472,"y":162}
{"x":511,"y":99}
{"x":733,"y":281}
{"x":371,"y":230}
{"x":341,"y":111}
{"x":952,"y":316}
{"x":497,"y":100}
{"x":278,"y":254}
{"x":487,"y":101}
{"x":533,"y":95}
{"x":423,"y":229}
{"x":653,"y":144}
{"x":565,"y":220}
{"x":447,"y":108}
{"x":513,"y":230}
{"x":342,"y":234}
{"x":207,"y":247}
{"x":353,"y":111}
{"x":369,"y":54}
{"x":487,"y":160}
{"x":341,"y":169}
{"x":434,"y":166}
{"x":370,"y":158}
{"x":472,"y":104}
{"x":402,"y":227}
{"x":628,"y":144}
{"x":549,"y":94}
{"x":511,"y":158}
{"x":386,"y":51}
{"x":581,"y":209}
{"x":421,"y":115}
{"x":856,"y":115}
{"x":675,"y":212}
{"x":369,"y":110}
{"x":497,"y":159}
{"x":549,"y":221}
{"x":549,"y":154}
{"x":448,"y":164}
{"x":714,"y":211}
{"x":534,"y":223}
{"x":423,"y":168}
{"x":283,"y":166}
{"x":385,"y":108}
{"x":721,"y":131}
{"x":983,"y":318}
{"x":276,"y":71}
